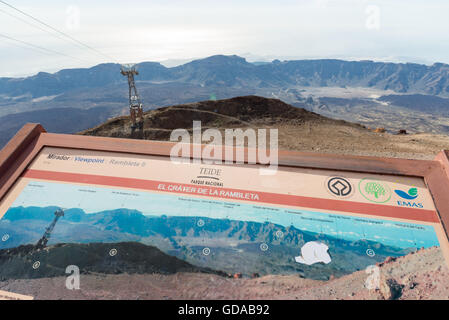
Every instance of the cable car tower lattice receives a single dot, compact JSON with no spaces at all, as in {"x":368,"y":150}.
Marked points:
{"x":42,"y":243}
{"x":135,"y":106}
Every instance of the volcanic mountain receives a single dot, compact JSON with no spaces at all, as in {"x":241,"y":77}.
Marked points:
{"x":299,"y":129}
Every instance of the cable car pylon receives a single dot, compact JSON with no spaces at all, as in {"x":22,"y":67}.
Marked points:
{"x":135,"y":105}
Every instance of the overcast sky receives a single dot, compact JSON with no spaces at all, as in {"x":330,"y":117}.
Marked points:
{"x":138,"y":30}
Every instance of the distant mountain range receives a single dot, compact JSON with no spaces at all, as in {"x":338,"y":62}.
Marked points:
{"x":234,"y":71}
{"x":234,"y":245}
{"x":375,"y":94}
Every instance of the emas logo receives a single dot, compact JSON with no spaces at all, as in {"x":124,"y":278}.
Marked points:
{"x":411,"y":194}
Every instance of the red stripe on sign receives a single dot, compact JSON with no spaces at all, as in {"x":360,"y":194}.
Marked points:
{"x":237,"y":194}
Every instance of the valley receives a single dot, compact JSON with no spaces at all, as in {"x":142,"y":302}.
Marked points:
{"x":393,"y":96}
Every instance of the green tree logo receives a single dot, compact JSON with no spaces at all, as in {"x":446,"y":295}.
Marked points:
{"x":375,"y":189}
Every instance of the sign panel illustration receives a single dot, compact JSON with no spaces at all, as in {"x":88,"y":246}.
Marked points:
{"x":110,"y":213}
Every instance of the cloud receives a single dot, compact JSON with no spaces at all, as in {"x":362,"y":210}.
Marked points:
{"x":154,"y":31}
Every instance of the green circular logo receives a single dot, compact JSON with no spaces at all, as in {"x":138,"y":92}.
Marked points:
{"x":374,"y":190}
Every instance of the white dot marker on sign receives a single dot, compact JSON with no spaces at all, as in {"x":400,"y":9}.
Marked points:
{"x":370,"y":253}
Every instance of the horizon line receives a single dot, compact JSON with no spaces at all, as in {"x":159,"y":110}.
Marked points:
{"x":189,"y":60}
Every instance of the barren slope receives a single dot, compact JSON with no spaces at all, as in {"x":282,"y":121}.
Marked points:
{"x":299,"y":130}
